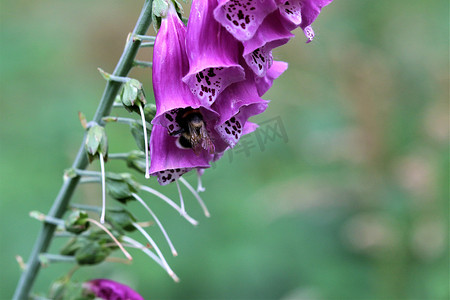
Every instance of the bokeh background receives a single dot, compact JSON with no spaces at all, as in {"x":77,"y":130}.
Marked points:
{"x":343,"y":196}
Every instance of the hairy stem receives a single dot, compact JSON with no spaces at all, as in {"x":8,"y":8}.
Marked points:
{"x":65,"y":193}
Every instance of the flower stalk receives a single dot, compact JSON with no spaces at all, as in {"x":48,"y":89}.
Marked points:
{"x":62,"y":200}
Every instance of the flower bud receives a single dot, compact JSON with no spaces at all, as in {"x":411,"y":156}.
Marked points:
{"x":120,"y":219}
{"x":96,"y":142}
{"x":77,"y":222}
{"x":92,"y":253}
{"x":136,"y":160}
{"x":133,"y":95}
{"x":121,"y":186}
{"x":138,"y":134}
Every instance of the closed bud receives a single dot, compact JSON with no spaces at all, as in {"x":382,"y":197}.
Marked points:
{"x":121,"y":186}
{"x":77,"y":222}
{"x":96,"y":142}
{"x":133,"y":95}
{"x":138,"y":134}
{"x":92,"y":253}
{"x":120,"y":219}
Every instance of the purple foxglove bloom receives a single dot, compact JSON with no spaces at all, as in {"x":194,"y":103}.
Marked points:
{"x":169,"y":161}
{"x":169,"y":66}
{"x":243,"y":17}
{"x":258,"y":50}
{"x":235,"y":105}
{"x":111,"y":290}
{"x":213,"y":54}
{"x":301,"y":13}
{"x":263,"y":84}
{"x":177,"y":109}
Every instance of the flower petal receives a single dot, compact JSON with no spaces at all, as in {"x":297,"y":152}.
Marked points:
{"x":169,"y":66}
{"x":168,"y":161}
{"x":243,"y":17}
{"x":237,"y":103}
{"x":257,"y":50}
{"x":212,"y":52}
{"x":263,"y":84}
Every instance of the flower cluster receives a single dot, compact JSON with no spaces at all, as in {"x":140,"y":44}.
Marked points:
{"x":209,"y":76}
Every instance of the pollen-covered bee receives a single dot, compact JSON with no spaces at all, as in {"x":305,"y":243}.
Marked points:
{"x":193,"y":131}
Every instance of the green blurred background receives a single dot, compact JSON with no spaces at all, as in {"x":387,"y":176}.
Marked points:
{"x":353,"y":205}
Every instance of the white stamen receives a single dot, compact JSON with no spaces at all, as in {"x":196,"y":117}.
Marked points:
{"x":172,"y":248}
{"x":183,"y":211}
{"x":170,"y":202}
{"x":144,"y":127}
{"x":152,"y":242}
{"x":102,"y":167}
{"x":112,"y":236}
{"x":196,"y":195}
{"x":150,"y":254}
{"x":200,"y":187}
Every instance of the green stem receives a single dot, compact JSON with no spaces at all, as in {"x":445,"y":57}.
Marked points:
{"x":62,"y":200}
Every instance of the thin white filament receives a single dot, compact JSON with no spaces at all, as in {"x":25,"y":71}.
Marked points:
{"x":102,"y":167}
{"x":183,"y":211}
{"x":170,"y":202}
{"x":196,"y":195}
{"x":152,"y":242}
{"x":172,"y":248}
{"x":200,"y":187}
{"x":144,"y":128}
{"x":112,"y":236}
{"x":150,"y":254}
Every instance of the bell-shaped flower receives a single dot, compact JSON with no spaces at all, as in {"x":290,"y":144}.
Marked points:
{"x":243,"y":17}
{"x":109,"y":289}
{"x":235,"y":106}
{"x":263,"y":84}
{"x":258,"y":50}
{"x":212,"y":52}
{"x":301,"y":13}
{"x":170,"y":63}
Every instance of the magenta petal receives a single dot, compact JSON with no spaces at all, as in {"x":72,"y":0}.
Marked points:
{"x":169,"y":66}
{"x":213,"y":54}
{"x":168,"y":161}
{"x":109,"y":289}
{"x":243,"y":17}
{"x":291,"y":11}
{"x":257,"y":50}
{"x":236,"y":104}
{"x":301,"y":13}
{"x":263,"y":84}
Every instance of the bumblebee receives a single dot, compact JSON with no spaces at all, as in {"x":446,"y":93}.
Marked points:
{"x":193,"y":131}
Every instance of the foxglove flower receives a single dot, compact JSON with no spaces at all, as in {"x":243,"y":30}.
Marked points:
{"x":235,"y":106}
{"x":111,"y":290}
{"x":258,"y":50}
{"x":212,"y":53}
{"x":301,"y":13}
{"x":169,"y":65}
{"x":177,"y":109}
{"x":243,"y":17}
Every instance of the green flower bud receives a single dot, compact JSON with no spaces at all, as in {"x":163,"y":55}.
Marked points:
{"x":96,"y":142}
{"x":121,"y":186}
{"x":120,"y":219}
{"x":133,"y":95}
{"x":73,"y":245}
{"x":92,"y":253}
{"x":77,"y":222}
{"x":138,"y":134}
{"x":136,"y":160}
{"x":149,"y":111}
